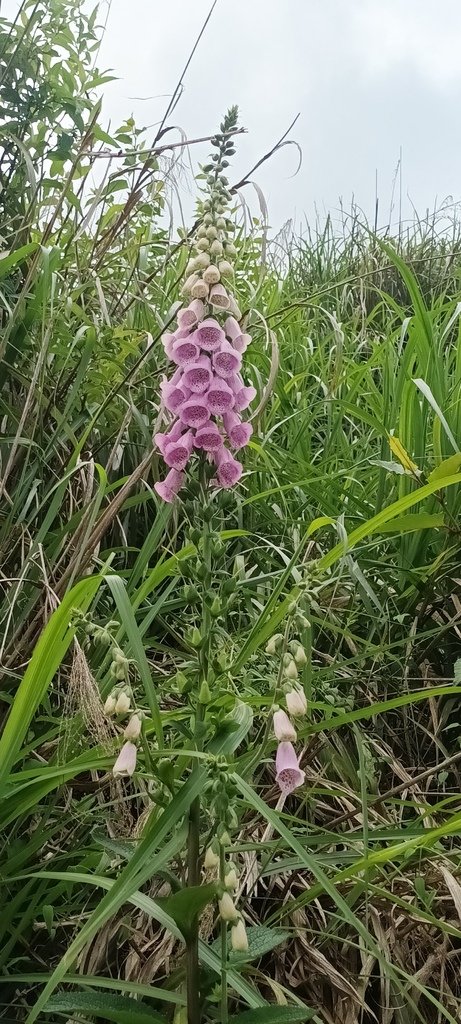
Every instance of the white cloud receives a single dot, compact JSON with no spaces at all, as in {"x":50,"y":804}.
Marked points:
{"x":418,"y":34}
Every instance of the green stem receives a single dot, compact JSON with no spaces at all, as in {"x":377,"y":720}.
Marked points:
{"x":193,"y":843}
{"x":224,"y":1007}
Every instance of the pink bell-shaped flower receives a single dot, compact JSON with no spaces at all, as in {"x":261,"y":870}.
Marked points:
{"x":198,"y":376}
{"x":177,"y":453}
{"x":191,"y":315}
{"x":238,"y":433}
{"x":289,"y":775}
{"x":209,"y":335}
{"x":220,"y":397}
{"x":185,"y":351}
{"x":168,"y":488}
{"x":195,"y":412}
{"x":226,"y":361}
{"x":208,"y":438}
{"x":219,"y":297}
{"x":229,"y":469}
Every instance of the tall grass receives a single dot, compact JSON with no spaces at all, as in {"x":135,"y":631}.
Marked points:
{"x":351,"y":891}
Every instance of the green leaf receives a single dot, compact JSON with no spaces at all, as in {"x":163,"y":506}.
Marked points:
{"x":275,"y":1015}
{"x":119,"y":1009}
{"x":414,"y":521}
{"x":18,"y":256}
{"x":142,"y":866}
{"x":118,"y":590}
{"x":184,"y":906}
{"x":446,"y":468}
{"x":226,"y":741}
{"x":261,"y":940}
{"x":45,"y":661}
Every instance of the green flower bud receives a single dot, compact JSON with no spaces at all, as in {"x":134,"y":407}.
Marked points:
{"x":204,"y":695}
{"x":195,"y":638}
{"x":215,"y":608}
{"x":291,"y":672}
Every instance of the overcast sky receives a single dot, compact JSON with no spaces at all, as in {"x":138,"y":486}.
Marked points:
{"x":368,"y":77}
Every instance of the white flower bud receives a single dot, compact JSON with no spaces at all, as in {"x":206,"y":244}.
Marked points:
{"x":203,"y":244}
{"x":227,"y":908}
{"x":126,"y":761}
{"x":211,"y":275}
{"x":231,"y":878}
{"x":300,"y":656}
{"x":109,"y":706}
{"x":273,"y":642}
{"x":216,"y":248}
{"x":133,"y":728}
{"x":202,"y":261}
{"x":211,"y":859}
{"x":239,"y":937}
{"x":291,"y":671}
{"x":122,"y":704}
{"x":296,"y":703}
{"x":199,"y":290}
{"x":225,"y":268}
{"x":230,"y":249}
{"x":189,"y":283}
{"x":211,"y":232}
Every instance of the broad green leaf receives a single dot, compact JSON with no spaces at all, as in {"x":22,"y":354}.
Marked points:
{"x":227,"y":740}
{"x":185,"y":905}
{"x":119,"y":1009}
{"x":414,"y":521}
{"x":446,"y":468}
{"x":260,"y":941}
{"x":15,"y":258}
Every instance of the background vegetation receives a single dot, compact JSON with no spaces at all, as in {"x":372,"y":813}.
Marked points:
{"x":351,"y":891}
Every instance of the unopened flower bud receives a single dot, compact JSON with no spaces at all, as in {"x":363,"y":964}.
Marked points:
{"x":239,"y":937}
{"x":211,"y":275}
{"x":224,"y":837}
{"x":273,"y":642}
{"x":203,"y":244}
{"x":204,"y":696}
{"x":109,"y":706}
{"x":199,"y":290}
{"x":195,"y":637}
{"x":291,"y":671}
{"x":122,"y":705}
{"x":211,"y":859}
{"x":231,"y":878}
{"x":133,"y":728}
{"x":189,"y":282}
{"x":296,"y":702}
{"x":126,"y":761}
{"x":216,"y":248}
{"x":230,"y":249}
{"x":211,"y":232}
{"x":221,"y":224}
{"x":300,"y":655}
{"x":215,"y":608}
{"x":284,"y":730}
{"x":225,"y":268}
{"x":202,"y":261}
{"x":227,"y":909}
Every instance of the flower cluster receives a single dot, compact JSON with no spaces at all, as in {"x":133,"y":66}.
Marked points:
{"x":228,"y":912}
{"x":118,"y":704}
{"x":288,"y":773}
{"x":206,"y":394}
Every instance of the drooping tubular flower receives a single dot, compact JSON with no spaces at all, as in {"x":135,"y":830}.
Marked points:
{"x":205,"y":396}
{"x":289,"y":774}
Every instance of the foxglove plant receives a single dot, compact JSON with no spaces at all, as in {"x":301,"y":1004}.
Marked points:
{"x":205,"y":396}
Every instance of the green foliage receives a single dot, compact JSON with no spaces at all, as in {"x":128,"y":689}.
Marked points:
{"x":344,"y":538}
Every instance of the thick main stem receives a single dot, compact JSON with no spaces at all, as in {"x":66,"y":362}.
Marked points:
{"x":193,"y":843}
